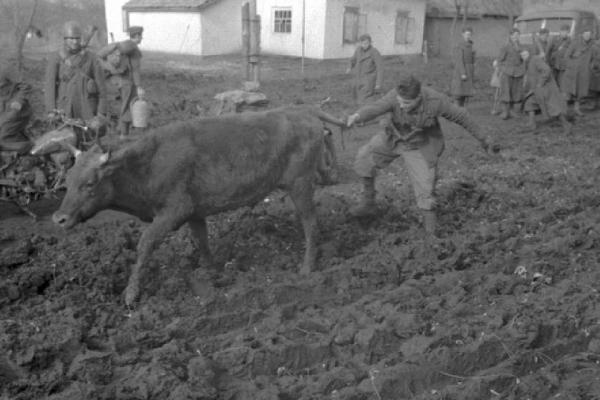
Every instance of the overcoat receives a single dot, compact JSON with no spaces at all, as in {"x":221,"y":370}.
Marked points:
{"x":576,"y":79}
{"x":75,"y":84}
{"x":541,"y":91}
{"x":464,"y":64}
{"x":367,"y":68}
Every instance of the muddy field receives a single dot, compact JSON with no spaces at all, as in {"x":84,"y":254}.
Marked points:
{"x":504,"y":305}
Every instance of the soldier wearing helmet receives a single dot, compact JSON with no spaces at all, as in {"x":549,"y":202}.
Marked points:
{"x":74,"y":80}
{"x":122,"y":63}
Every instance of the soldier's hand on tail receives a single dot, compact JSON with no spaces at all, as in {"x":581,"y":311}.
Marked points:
{"x":352,"y":119}
{"x":463,"y":77}
{"x":15,"y":105}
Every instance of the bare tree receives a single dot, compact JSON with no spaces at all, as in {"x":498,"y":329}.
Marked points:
{"x":20,"y":13}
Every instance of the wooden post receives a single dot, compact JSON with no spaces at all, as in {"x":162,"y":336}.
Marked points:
{"x":246,"y":37}
{"x":303,"y":34}
{"x":254,"y":54}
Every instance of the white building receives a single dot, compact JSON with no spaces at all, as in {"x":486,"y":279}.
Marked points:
{"x":331,"y":27}
{"x":313,"y":28}
{"x":199,"y":27}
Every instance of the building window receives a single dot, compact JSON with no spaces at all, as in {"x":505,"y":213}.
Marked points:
{"x":282,"y":21}
{"x":355,"y":24}
{"x":405,"y":28}
{"x":125,"y":19}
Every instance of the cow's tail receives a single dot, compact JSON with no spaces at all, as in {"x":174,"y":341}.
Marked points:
{"x":325,"y":117}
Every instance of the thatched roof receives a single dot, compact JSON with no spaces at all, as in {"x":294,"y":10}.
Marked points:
{"x":168,"y":5}
{"x":476,"y":9}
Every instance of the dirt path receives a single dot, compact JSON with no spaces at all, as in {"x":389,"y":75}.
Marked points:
{"x":505,"y":305}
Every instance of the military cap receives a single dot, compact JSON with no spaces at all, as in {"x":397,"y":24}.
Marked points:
{"x":408,"y":87}
{"x":467,"y":29}
{"x":135,"y":30}
{"x":365,"y":36}
{"x":543,"y":30}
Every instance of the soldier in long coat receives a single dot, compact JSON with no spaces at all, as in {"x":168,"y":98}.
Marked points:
{"x":595,"y":75}
{"x":542,"y":43}
{"x":576,"y":79}
{"x":121,"y":62}
{"x":74,"y":80}
{"x":461,"y":86}
{"x":542,"y":93}
{"x":367,"y":67}
{"x":15,"y":111}
{"x":556,"y":53}
{"x":512,"y":70}
{"x":413,"y":133}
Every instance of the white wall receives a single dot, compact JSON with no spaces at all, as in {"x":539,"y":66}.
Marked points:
{"x":171,"y":32}
{"x":290,"y":44}
{"x":324,"y":27}
{"x":381,"y":21}
{"x":222,"y":28}
{"x":114,"y":21}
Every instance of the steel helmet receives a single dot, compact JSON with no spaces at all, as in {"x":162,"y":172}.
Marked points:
{"x":72,"y":29}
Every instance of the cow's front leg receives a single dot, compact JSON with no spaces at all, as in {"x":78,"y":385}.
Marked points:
{"x":164,"y":223}
{"x":301,"y":193}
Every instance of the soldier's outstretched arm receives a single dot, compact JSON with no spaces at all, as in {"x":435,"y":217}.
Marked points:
{"x":374,"y":109}
{"x":460,"y":116}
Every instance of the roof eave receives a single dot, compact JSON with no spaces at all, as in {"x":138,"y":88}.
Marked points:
{"x":162,"y":9}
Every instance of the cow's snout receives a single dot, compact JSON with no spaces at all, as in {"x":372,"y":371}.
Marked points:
{"x":60,"y":219}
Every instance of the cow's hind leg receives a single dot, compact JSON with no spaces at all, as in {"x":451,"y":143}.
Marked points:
{"x":301,"y":193}
{"x":200,"y":240}
{"x":168,"y":221}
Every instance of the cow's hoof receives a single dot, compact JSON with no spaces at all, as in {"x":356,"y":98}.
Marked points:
{"x":132,"y":293}
{"x":305,"y":270}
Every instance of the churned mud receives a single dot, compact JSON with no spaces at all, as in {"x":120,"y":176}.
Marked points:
{"x":504,"y":305}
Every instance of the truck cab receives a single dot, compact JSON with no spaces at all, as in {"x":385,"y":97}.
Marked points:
{"x":579,"y":20}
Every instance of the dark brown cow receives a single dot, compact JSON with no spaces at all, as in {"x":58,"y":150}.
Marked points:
{"x":186,"y":171}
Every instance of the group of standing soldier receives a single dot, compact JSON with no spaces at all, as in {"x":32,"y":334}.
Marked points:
{"x":552,"y":74}
{"x":95,"y":87}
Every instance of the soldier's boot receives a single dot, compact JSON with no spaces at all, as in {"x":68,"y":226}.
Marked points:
{"x":366,"y":207}
{"x":531,"y":121}
{"x":429,"y":222}
{"x":505,"y":111}
{"x":577,"y":109}
{"x":566,"y":125}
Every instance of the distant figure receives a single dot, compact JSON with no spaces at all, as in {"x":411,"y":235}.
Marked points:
{"x":367,"y":66}
{"x":595,"y":76}
{"x":542,"y":93}
{"x":461,"y":87}
{"x":576,"y":79}
{"x":75,"y":80}
{"x":121,"y":62}
{"x":556,"y":53}
{"x":15,"y":111}
{"x":512,"y":70}
{"x":542,"y":43}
